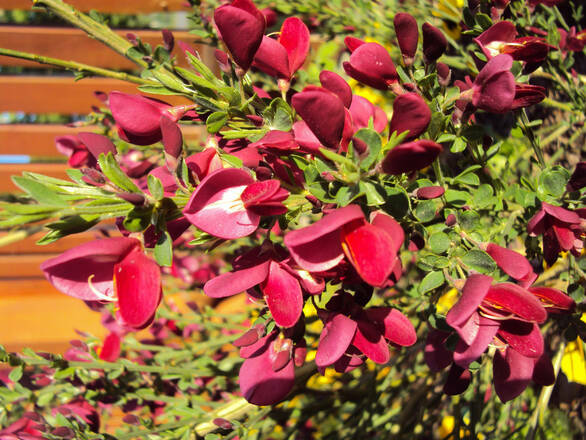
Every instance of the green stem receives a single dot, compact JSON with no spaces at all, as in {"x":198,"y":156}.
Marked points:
{"x":74,"y":66}
{"x":561,"y":105}
{"x":19,"y":235}
{"x":235,"y":409}
{"x":532,"y":139}
{"x":555,"y":135}
{"x":545,"y":395}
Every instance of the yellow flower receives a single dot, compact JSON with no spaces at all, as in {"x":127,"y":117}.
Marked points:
{"x":446,"y":301}
{"x":573,"y":363}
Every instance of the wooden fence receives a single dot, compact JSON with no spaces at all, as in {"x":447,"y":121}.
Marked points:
{"x":32,"y":312}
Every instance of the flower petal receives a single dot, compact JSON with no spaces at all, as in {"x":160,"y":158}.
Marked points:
{"x":295,"y":39}
{"x":335,"y":338}
{"x":473,"y":294}
{"x":511,"y":374}
{"x":512,"y":298}
{"x":283,"y":296}
{"x":231,"y":283}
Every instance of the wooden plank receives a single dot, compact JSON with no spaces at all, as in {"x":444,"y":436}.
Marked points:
{"x":41,"y":94}
{"x":75,"y":45}
{"x":29,"y":246}
{"x":35,"y":315}
{"x":48,"y":169}
{"x":22,"y":266}
{"x":39,"y":139}
{"x":110,"y":6}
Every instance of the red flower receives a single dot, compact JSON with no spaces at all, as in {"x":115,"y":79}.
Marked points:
{"x":111,"y":269}
{"x":241,"y":26}
{"x":412,"y":156}
{"x":285,"y":56}
{"x":370,"y":64}
{"x":407,"y":36}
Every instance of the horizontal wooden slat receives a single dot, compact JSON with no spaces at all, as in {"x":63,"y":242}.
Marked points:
{"x":75,"y":45}
{"x":38,"y":94}
{"x":6,"y":171}
{"x":39,"y":139}
{"x":110,"y":6}
{"x":36,"y":315}
{"x":29,"y":246}
{"x":22,"y":266}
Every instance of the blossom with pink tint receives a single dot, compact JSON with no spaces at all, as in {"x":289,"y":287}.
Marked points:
{"x":501,"y":38}
{"x":78,"y":154}
{"x":562,"y":230}
{"x":110,"y":270}
{"x":512,"y":263}
{"x":336,"y":84}
{"x":370,"y":247}
{"x":241,"y":26}
{"x":370,"y":64}
{"x":229,"y":204}
{"x":283,"y":57}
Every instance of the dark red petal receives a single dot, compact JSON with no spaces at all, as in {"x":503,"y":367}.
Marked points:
{"x":543,"y":372}
{"x":242,"y":30}
{"x":271,"y":57}
{"x":514,"y":299}
{"x":137,"y":115}
{"x":407,"y":34}
{"x":295,"y":39}
{"x":336,"y":84}
{"x":231,"y":283}
{"x":466,"y":354}
{"x":137,"y":280}
{"x":371,"y":342}
{"x":410,"y":112}
{"x":323,"y":112}
{"x":430,"y":192}
{"x":436,"y":355}
{"x":97,"y":144}
{"x":473,"y":294}
{"x":565,"y":237}
{"x":458,"y":380}
{"x":396,"y":327}
{"x":110,"y":350}
{"x":553,"y":298}
{"x":353,"y":43}
{"x":371,"y":64}
{"x":258,"y":192}
{"x":260,"y":385}
{"x":411,"y":156}
{"x":496,"y":94}
{"x":390,"y":226}
{"x":511,"y":374}
{"x":335,"y":338}
{"x":172,"y":137}
{"x":434,"y":42}
{"x":523,"y":337}
{"x":283,"y":296}
{"x":511,"y":262}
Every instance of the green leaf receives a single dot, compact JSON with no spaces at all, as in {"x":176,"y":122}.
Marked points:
{"x":479,"y":261}
{"x":112,"y":171}
{"x":439,"y":242}
{"x":138,"y":219}
{"x":375,"y":195}
{"x":16,"y":374}
{"x":552,"y":181}
{"x":337,"y":158}
{"x":457,"y":198}
{"x":468,"y":176}
{"x":216,"y":121}
{"x":29,"y":209}
{"x":155,"y":187}
{"x":233,"y":161}
{"x":459,"y":145}
{"x":164,"y":250}
{"x":200,"y":83}
{"x":279,"y":115}
{"x":373,"y":140}
{"x":469,"y":220}
{"x":483,"y":196}
{"x":200,"y":67}
{"x":38,"y":191}
{"x":431,"y":281}
{"x":397,"y":202}
{"x":425,"y":210}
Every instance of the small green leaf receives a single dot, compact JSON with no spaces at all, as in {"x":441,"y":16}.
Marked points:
{"x":138,"y":219}
{"x":374,"y":194}
{"x":155,"y":187}
{"x":216,"y":121}
{"x":373,"y":141}
{"x":425,"y":210}
{"x":38,"y":191}
{"x":112,"y":171}
{"x":459,"y":145}
{"x":200,"y":67}
{"x":164,"y":250}
{"x":431,"y":281}
{"x":279,"y":115}
{"x":552,"y":181}
{"x":457,"y":198}
{"x":439,"y":242}
{"x":397,"y":202}
{"x":16,"y":374}
{"x":337,"y":158}
{"x":479,"y":261}
{"x":233,"y":161}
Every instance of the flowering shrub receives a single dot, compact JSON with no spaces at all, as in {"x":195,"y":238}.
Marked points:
{"x":346,"y":222}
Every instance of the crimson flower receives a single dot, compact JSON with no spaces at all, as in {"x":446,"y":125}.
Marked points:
{"x":561,"y":228}
{"x":228,"y":203}
{"x":241,"y":26}
{"x":112,"y":270}
{"x":370,"y":64}
{"x":407,"y":36}
{"x":285,"y":56}
{"x":410,"y":112}
{"x":370,"y":247}
{"x":411,"y":156}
